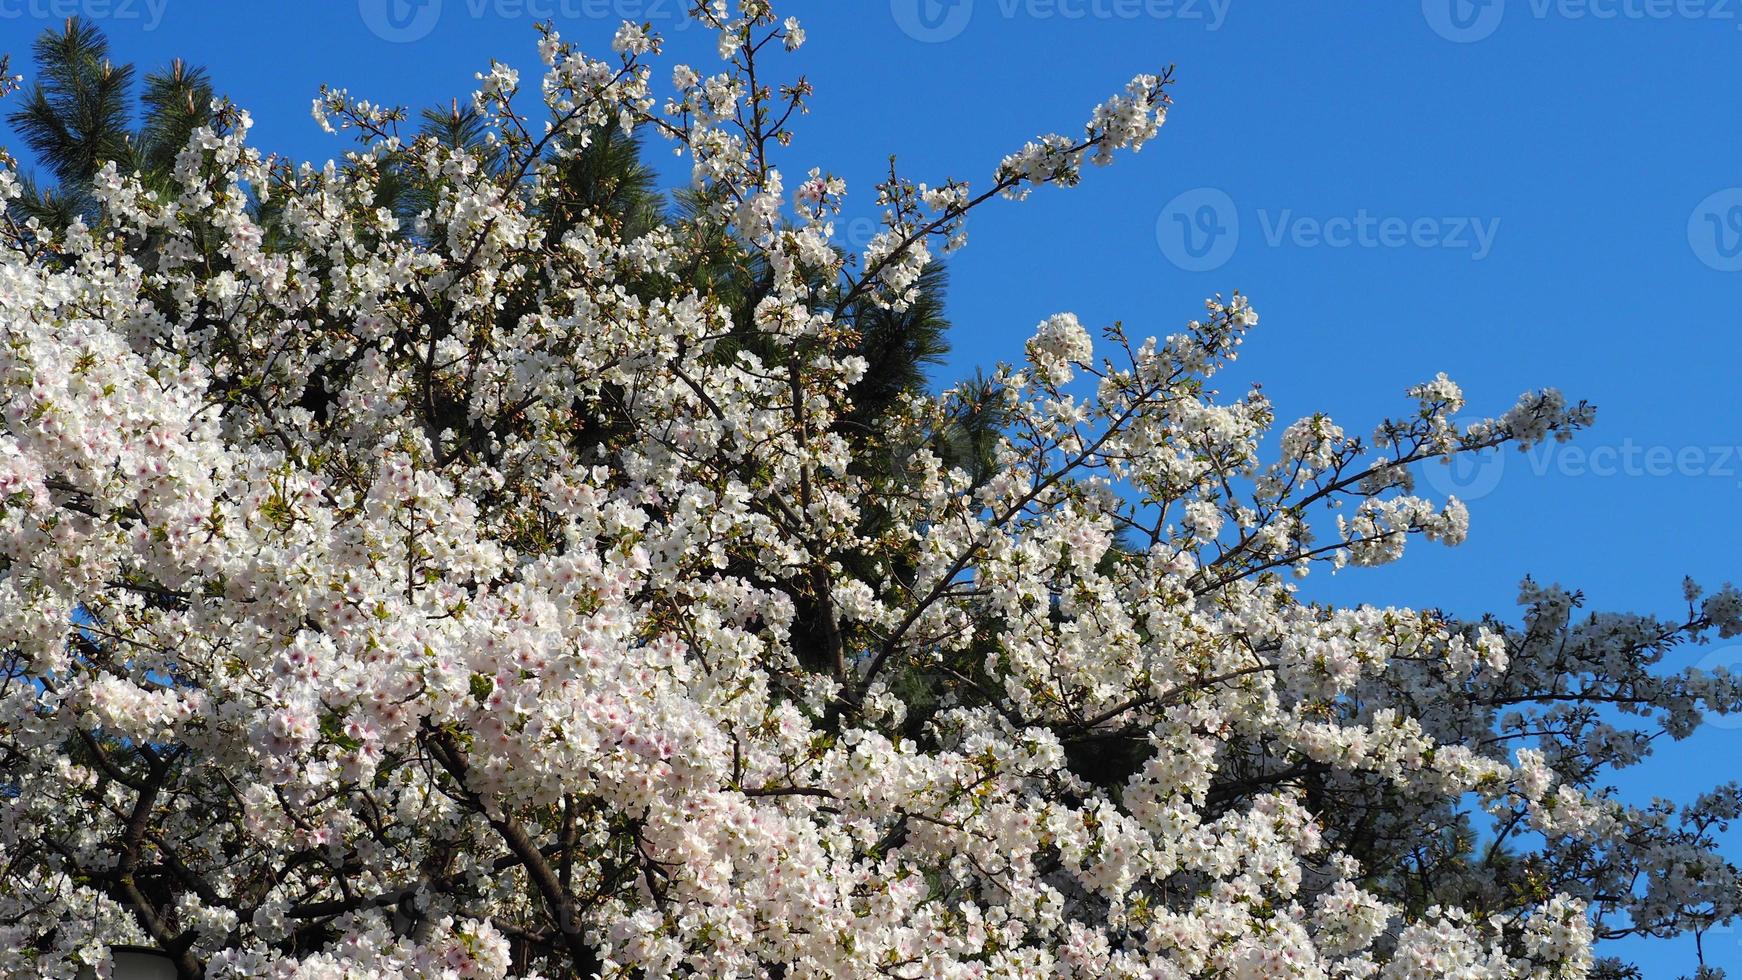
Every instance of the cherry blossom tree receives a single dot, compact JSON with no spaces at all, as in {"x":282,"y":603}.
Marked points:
{"x":501,"y":588}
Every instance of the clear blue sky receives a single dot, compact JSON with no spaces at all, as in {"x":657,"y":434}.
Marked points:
{"x":1521,"y":193}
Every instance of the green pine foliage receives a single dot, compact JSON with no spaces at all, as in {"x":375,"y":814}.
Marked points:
{"x":81,"y":114}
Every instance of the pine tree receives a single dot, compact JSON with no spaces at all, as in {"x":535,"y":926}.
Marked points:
{"x":80,"y":115}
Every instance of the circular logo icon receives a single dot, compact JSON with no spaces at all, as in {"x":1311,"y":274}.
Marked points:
{"x":1467,"y":476}
{"x":932,"y":21}
{"x":1199,"y":229}
{"x":1724,"y":661}
{"x":1463,"y":21}
{"x":1715,"y":230}
{"x":400,"y":21}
